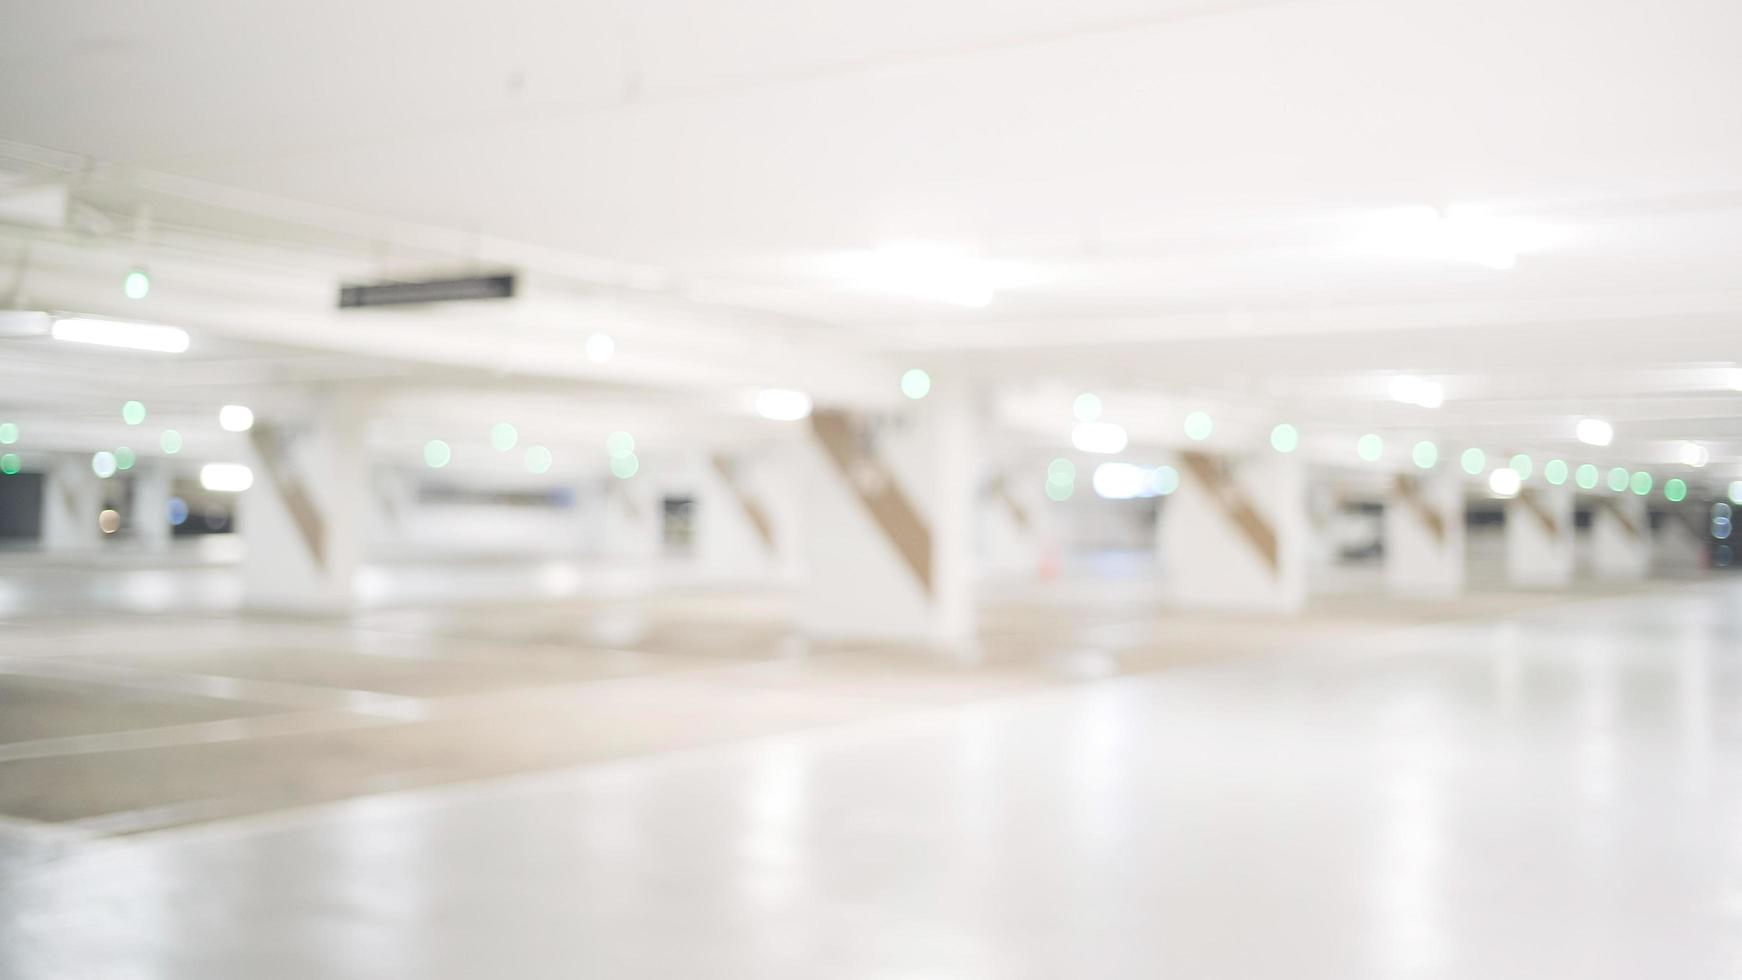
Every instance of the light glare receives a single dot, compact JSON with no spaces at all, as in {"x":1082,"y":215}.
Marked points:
{"x":236,"y":418}
{"x":1504,"y":482}
{"x":782,"y":404}
{"x":121,"y":333}
{"x":226,"y":477}
{"x":1594,"y":432}
{"x":1098,"y":437}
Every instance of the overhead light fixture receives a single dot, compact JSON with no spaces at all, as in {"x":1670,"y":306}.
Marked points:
{"x":601,"y":348}
{"x":1120,"y":481}
{"x":1099,"y":437}
{"x":1504,"y":482}
{"x":136,"y":284}
{"x":1694,"y":454}
{"x":1411,"y":390}
{"x":1594,"y":432}
{"x":236,"y":418}
{"x":125,"y":334}
{"x":926,"y":272}
{"x":226,"y":477}
{"x":782,"y":404}
{"x":1458,"y":235}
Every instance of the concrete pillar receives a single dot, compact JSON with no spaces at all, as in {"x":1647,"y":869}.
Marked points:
{"x":1620,"y":537}
{"x":1424,"y":535}
{"x":72,"y":498}
{"x":1539,"y":537}
{"x":736,"y":537}
{"x":1680,"y":541}
{"x":149,"y":519}
{"x":1014,"y":533}
{"x":301,"y":520}
{"x":1236,"y":534}
{"x":888,"y":522}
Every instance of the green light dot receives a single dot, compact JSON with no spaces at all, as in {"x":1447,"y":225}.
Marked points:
{"x":1521,"y":465}
{"x":1061,"y":470}
{"x":1675,"y":490}
{"x":1059,"y":491}
{"x":1555,"y":472}
{"x":1198,"y":426}
{"x":619,"y":445}
{"x":1369,"y":447}
{"x":436,"y":454}
{"x":133,"y":413}
{"x":503,"y":437}
{"x":1284,"y":438}
{"x":537,"y":459}
{"x":1618,"y":479}
{"x":103,"y":464}
{"x":1586,"y":475}
{"x":1166,"y":480}
{"x":170,"y":441}
{"x":8,"y":433}
{"x":1087,"y":407}
{"x":136,"y":284}
{"x":10,"y":463}
{"x":124,"y":458}
{"x":626,"y":466}
{"x":1641,"y":483}
{"x":1473,"y":461}
{"x":1425,"y":454}
{"x":915,"y":383}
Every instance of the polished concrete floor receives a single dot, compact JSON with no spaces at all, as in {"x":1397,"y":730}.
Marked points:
{"x":674,"y":785}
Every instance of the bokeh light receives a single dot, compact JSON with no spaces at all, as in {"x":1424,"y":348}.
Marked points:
{"x":1675,"y":490}
{"x":10,"y":463}
{"x":1285,"y":438}
{"x":503,"y":436}
{"x":1164,"y":480}
{"x":619,"y":445}
{"x":1059,"y":491}
{"x":109,"y":521}
{"x":1369,"y":447}
{"x":103,"y":464}
{"x":1555,"y":472}
{"x":1736,"y":492}
{"x":437,"y":454}
{"x":133,"y":413}
{"x":1641,"y":483}
{"x":1061,"y":470}
{"x":601,"y":347}
{"x":915,"y":383}
{"x":1522,"y":465}
{"x":1425,"y":454}
{"x":125,"y":458}
{"x":236,"y":418}
{"x":170,"y":441}
{"x":1087,"y":407}
{"x":8,"y":433}
{"x":1618,"y":479}
{"x":1504,"y":482}
{"x":1473,"y":460}
{"x":625,"y":466}
{"x":1198,"y":426}
{"x":136,"y":284}
{"x":177,"y":511}
{"x":537,"y":459}
{"x":1586,"y":476}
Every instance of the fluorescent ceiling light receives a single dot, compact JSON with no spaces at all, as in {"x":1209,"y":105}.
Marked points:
{"x":1121,"y":481}
{"x":121,"y":333}
{"x":226,"y":477}
{"x":1458,"y":235}
{"x":1504,"y":481}
{"x":1594,"y":432}
{"x":1411,"y":390}
{"x":1694,"y":454}
{"x":236,"y":418}
{"x":600,"y":348}
{"x":782,"y":404}
{"x":926,"y":272}
{"x":1098,"y":437}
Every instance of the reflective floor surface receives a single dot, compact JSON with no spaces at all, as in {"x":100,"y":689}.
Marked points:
{"x":1531,"y":789}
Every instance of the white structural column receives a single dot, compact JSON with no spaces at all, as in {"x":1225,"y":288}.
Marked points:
{"x":1680,"y":540}
{"x":72,"y":498}
{"x":301,"y":521}
{"x":1424,"y":534}
{"x":633,"y":515}
{"x":149,"y":517}
{"x":1539,"y":537}
{"x":1014,"y":522}
{"x":1620,"y":537}
{"x":888,"y":508}
{"x":1236,"y":534}
{"x":738,"y":533}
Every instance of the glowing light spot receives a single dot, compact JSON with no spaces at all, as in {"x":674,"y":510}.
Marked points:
{"x":1675,"y":490}
{"x":915,"y":383}
{"x":136,"y":284}
{"x":503,"y":437}
{"x":625,"y":466}
{"x":1059,"y":491}
{"x":1087,"y":407}
{"x":1521,"y":465}
{"x":1370,"y":447}
{"x":1425,"y":454}
{"x":8,"y":433}
{"x":1199,"y":426}
{"x":1594,"y":432}
{"x":1555,"y":472}
{"x":1641,"y":483}
{"x":1473,"y":461}
{"x":601,"y":348}
{"x":170,"y":441}
{"x":109,"y":521}
{"x":1736,"y":492}
{"x":1164,"y":480}
{"x":177,"y":511}
{"x":1098,"y":437}
{"x":619,"y":445}
{"x":1618,"y":479}
{"x":1504,"y":482}
{"x":124,"y":458}
{"x":1411,"y":390}
{"x":10,"y":463}
{"x":133,"y":413}
{"x":1119,"y":481}
{"x":437,"y":454}
{"x":537,"y":459}
{"x":226,"y":477}
{"x":1285,"y":438}
{"x":103,"y":464}
{"x":236,"y":418}
{"x":1693,"y":454}
{"x":783,"y":404}
{"x":1586,"y":476}
{"x":1061,"y":470}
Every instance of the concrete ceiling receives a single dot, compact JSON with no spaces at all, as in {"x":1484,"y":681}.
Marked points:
{"x":1265,"y":206}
